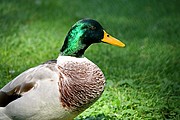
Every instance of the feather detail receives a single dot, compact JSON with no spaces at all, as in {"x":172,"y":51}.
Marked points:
{"x":81,"y":83}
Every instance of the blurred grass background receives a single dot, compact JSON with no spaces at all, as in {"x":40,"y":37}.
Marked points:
{"x":143,"y":79}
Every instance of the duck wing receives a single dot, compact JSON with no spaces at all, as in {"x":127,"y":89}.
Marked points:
{"x":27,"y":81}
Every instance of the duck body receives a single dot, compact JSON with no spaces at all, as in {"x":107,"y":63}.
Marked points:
{"x":54,"y":90}
{"x":59,"y":89}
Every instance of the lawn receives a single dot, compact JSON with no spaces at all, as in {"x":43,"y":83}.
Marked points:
{"x":143,"y":79}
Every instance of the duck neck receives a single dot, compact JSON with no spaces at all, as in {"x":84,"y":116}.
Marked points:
{"x":73,"y":44}
{"x":74,"y":52}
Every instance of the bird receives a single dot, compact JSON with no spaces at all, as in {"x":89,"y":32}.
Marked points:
{"x":63,"y":88}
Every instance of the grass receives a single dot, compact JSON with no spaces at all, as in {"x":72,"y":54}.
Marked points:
{"x":143,"y":79}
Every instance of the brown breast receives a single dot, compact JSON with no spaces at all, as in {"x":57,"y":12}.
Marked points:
{"x":80,"y":84}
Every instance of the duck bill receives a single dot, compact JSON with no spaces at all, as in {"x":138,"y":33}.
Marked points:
{"x":111,"y":40}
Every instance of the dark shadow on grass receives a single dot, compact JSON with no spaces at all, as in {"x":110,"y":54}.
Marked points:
{"x":15,"y":13}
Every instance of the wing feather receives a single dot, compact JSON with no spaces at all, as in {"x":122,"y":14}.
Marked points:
{"x":27,"y":81}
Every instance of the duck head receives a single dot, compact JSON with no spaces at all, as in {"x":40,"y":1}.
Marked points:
{"x":84,"y":33}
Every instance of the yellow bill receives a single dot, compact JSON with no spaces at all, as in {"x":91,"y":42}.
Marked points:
{"x":111,"y":40}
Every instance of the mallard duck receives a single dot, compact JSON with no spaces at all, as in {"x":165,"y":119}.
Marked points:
{"x":62,"y":88}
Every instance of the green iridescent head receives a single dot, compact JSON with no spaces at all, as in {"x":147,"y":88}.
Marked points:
{"x":84,"y":33}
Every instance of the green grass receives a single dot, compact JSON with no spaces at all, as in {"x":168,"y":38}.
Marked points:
{"x":143,"y":79}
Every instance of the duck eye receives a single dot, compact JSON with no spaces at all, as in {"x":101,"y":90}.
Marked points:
{"x":107,"y":35}
{"x":92,"y":27}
